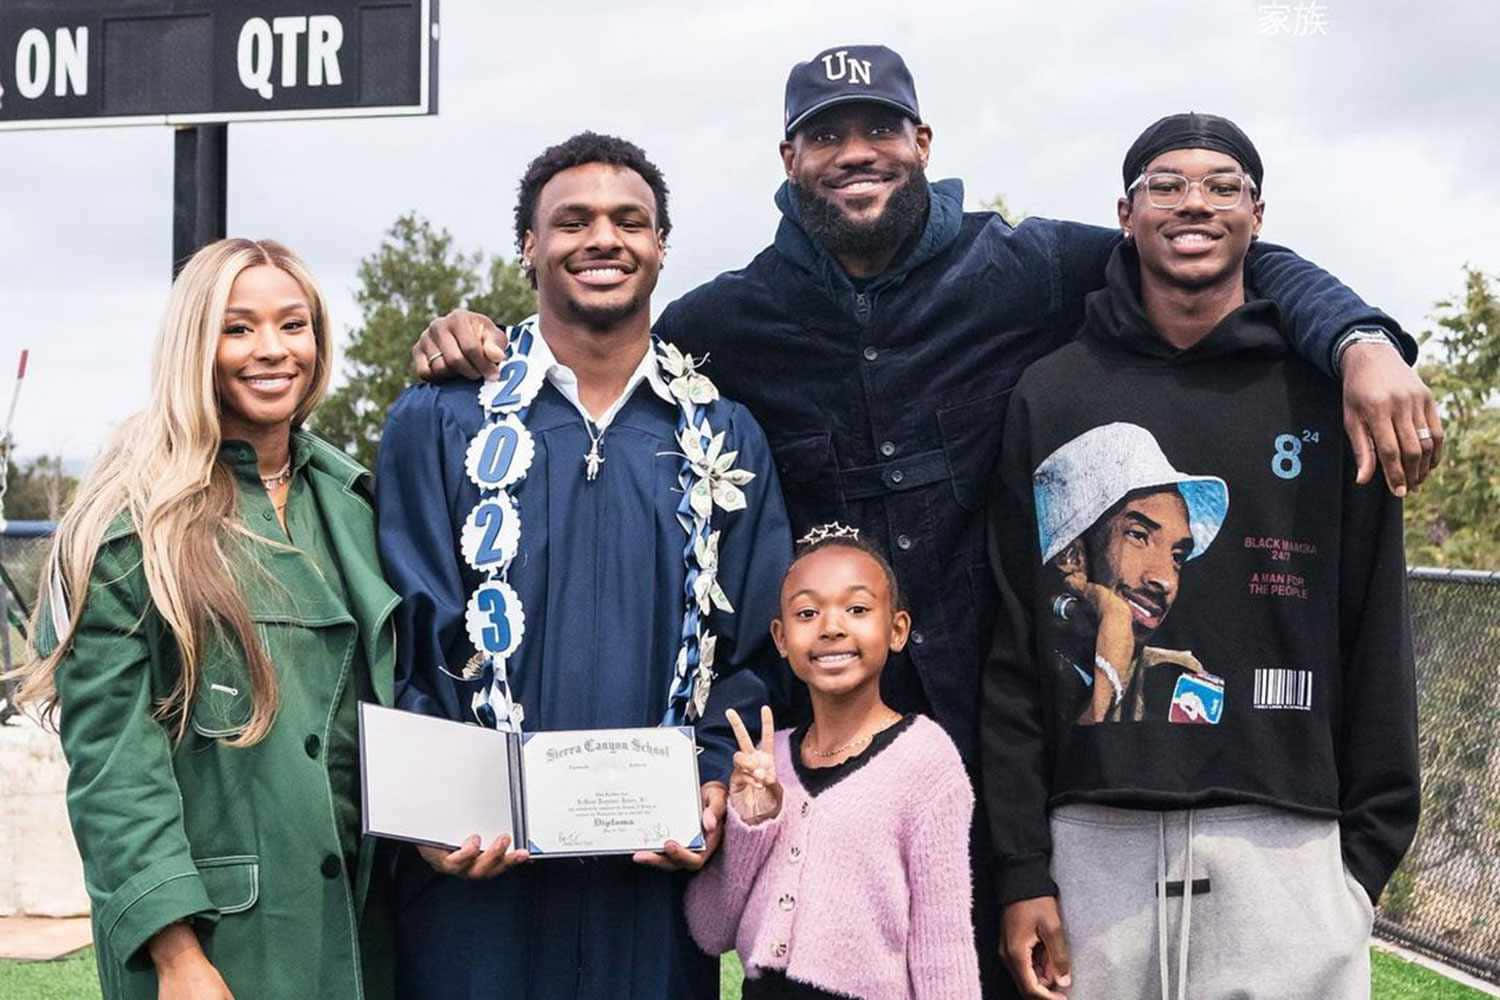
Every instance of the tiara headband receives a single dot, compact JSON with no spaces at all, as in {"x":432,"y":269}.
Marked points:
{"x":826,"y":531}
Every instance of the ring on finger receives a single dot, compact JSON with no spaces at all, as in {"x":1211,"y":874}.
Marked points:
{"x":437,"y":356}
{"x":1424,"y":435}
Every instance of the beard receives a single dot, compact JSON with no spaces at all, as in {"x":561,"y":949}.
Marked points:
{"x":841,"y":236}
{"x":603,"y":318}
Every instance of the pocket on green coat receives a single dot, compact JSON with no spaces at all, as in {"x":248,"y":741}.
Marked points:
{"x":224,"y":703}
{"x":232,"y":882}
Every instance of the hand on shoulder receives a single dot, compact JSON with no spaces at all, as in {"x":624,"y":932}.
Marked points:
{"x":461,"y":344}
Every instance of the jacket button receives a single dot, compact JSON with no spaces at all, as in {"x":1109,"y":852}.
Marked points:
{"x":871,"y":354}
{"x":787,"y":901}
{"x":888,"y":448}
{"x":267,"y":515}
{"x":806,"y":807}
{"x":897,"y":475}
{"x":796,"y":853}
{"x":312,"y":745}
{"x":918,"y":638}
{"x":779,"y":951}
{"x":331,"y":866}
{"x":903,"y":542}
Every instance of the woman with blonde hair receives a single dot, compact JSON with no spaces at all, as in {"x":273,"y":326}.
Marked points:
{"x":212,"y":613}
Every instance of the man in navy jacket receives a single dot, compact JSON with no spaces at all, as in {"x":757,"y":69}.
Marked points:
{"x":877,"y":339}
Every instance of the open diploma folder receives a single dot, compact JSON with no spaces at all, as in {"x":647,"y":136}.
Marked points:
{"x":558,"y":794}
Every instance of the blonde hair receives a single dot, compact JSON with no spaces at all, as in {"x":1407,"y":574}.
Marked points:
{"x":162,"y":469}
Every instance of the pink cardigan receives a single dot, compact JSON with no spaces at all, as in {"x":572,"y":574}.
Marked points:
{"x":862,"y":891}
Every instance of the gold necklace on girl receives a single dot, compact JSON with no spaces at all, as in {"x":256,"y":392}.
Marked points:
{"x":857,"y":741}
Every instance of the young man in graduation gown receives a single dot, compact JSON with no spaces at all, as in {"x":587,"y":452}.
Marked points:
{"x":610,"y":531}
{"x":879,"y":335}
{"x":1200,"y":723}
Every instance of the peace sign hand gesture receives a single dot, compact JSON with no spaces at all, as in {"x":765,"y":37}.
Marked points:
{"x":754,"y":792}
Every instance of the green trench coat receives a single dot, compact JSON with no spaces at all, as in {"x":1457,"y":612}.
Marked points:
{"x":244,"y":841}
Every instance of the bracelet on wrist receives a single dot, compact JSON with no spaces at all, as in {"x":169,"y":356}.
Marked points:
{"x":1359,"y":335}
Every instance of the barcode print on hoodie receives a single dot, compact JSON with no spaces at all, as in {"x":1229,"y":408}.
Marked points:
{"x":1275,"y":688}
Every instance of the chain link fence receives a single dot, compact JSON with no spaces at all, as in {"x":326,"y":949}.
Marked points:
{"x":23,"y":546}
{"x":1445,"y":898}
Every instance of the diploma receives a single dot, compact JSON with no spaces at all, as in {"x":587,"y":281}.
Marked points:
{"x":557,"y":794}
{"x":434,"y":781}
{"x":611,"y":791}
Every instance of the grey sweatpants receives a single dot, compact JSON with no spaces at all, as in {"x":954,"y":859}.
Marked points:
{"x":1278,"y":918}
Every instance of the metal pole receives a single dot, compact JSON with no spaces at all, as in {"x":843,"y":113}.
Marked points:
{"x":200,"y":184}
{"x":6,"y":441}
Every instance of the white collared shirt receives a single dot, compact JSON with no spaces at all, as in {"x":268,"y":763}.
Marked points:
{"x":565,"y":380}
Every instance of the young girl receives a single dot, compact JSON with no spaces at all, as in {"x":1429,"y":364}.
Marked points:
{"x":844,"y":870}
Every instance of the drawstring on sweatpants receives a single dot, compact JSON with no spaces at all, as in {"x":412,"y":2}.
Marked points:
{"x":1187,"y":913}
{"x":1184,"y":931}
{"x":1161,"y":902}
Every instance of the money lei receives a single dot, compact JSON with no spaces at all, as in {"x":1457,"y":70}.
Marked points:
{"x":709,"y":480}
{"x":497,"y":461}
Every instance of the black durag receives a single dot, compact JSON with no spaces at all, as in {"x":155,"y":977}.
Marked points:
{"x":1192,"y":131}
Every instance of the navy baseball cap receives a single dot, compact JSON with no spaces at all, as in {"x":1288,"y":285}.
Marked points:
{"x":848,"y":73}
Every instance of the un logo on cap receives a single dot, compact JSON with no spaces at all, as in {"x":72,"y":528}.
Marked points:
{"x":855,"y":70}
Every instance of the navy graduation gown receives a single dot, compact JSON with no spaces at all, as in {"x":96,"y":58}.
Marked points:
{"x":600,"y":575}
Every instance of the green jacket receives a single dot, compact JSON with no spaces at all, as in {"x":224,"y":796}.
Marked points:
{"x":243,"y":840}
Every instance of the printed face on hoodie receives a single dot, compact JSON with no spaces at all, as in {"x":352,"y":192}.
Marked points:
{"x":1138,"y":550}
{"x":1194,"y":245}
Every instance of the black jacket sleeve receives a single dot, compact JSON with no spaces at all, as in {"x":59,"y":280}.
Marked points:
{"x":1318,"y":307}
{"x":1014,"y":770}
{"x":1376,"y":732}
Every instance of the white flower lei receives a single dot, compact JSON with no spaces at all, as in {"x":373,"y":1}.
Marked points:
{"x":497,"y":460}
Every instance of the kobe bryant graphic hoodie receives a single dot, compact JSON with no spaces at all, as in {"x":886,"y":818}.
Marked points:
{"x":1202,"y":608}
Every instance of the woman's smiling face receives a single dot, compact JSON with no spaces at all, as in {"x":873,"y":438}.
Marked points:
{"x":267,"y":352}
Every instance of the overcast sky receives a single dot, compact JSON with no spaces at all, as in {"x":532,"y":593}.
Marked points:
{"x":1382,"y":157}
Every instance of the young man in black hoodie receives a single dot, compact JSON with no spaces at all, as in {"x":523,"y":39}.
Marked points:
{"x":1249,"y":780}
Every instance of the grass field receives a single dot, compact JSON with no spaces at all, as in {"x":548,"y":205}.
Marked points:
{"x":73,"y":979}
{"x":1393,"y":979}
{"x":70,"y":978}
{"x":1398,"y":980}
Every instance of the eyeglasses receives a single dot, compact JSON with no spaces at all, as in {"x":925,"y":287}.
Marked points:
{"x":1221,"y":191}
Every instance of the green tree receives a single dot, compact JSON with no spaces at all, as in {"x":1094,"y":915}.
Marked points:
{"x":415,"y":275}
{"x":1451,"y":520}
{"x":39,"y":490}
{"x":507,"y":296}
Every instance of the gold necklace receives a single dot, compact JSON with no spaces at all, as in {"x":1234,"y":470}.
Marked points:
{"x":824,"y":754}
